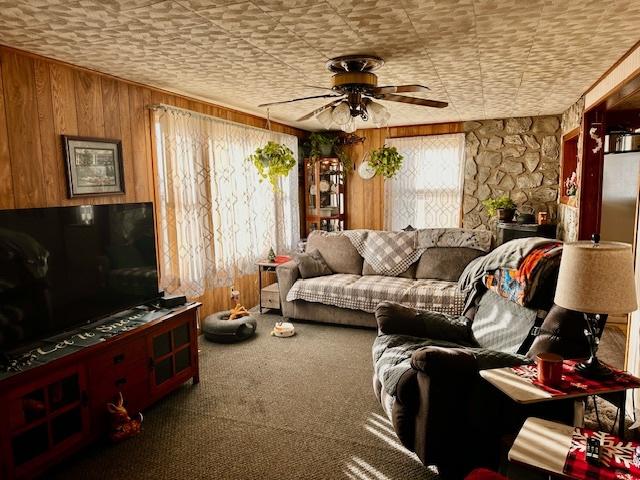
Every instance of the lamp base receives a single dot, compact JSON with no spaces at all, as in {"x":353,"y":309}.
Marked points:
{"x":592,"y":368}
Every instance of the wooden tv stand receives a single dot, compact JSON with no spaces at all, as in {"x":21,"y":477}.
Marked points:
{"x":52,"y":410}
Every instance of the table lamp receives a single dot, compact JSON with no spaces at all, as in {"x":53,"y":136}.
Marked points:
{"x":596,"y":278}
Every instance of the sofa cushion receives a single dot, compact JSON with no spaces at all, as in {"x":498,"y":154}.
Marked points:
{"x":312,"y":265}
{"x":410,"y":272}
{"x":442,"y":263}
{"x":366,"y":292}
{"x":500,"y":324}
{"x":337,"y":250}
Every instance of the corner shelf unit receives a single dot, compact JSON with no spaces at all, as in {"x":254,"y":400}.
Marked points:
{"x":324,"y":194}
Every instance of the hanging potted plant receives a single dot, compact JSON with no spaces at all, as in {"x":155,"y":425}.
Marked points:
{"x":385,"y":161}
{"x":272,"y":161}
{"x":503,"y":206}
{"x":321,"y":144}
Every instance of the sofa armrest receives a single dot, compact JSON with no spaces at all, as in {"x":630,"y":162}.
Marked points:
{"x":287,"y":274}
{"x":449,"y":363}
{"x":396,"y":319}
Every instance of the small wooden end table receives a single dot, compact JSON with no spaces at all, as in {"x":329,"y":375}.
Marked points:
{"x":523,"y":391}
{"x":264,"y":266}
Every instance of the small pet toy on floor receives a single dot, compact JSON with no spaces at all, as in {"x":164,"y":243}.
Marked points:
{"x":238,"y":312}
{"x":283,"y":329}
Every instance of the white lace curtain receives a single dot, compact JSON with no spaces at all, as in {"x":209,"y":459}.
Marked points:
{"x":427,"y":191}
{"x":215,"y":218}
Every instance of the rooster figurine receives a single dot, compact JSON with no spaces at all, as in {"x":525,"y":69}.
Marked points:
{"x":122,"y":425}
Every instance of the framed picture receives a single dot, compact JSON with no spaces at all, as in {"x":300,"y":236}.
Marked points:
{"x":94,"y":166}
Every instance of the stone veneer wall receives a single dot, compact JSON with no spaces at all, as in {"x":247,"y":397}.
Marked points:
{"x":568,"y":215}
{"x":514,"y":156}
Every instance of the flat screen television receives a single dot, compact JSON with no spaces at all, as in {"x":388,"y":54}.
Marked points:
{"x":68,"y":266}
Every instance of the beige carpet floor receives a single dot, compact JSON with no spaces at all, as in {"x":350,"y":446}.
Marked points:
{"x":268,"y":408}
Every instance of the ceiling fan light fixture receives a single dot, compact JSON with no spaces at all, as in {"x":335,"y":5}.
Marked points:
{"x":341,"y":113}
{"x":325,"y":118}
{"x":378,"y":113}
{"x":349,"y":127}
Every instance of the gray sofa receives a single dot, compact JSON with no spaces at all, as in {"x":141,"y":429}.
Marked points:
{"x":351,"y":293}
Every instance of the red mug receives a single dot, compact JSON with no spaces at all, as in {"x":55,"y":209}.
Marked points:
{"x":549,"y":369}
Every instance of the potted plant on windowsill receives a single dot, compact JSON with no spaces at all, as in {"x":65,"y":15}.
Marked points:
{"x":503,"y":206}
{"x":385,"y":161}
{"x":272,"y":161}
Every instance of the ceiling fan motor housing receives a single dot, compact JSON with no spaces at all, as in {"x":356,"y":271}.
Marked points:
{"x":354,"y":81}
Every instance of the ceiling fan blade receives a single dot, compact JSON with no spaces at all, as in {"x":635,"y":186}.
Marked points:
{"x":412,"y":100}
{"x":401,"y":89}
{"x":318,"y":110}
{"x":295,"y":100}
{"x":320,"y":88}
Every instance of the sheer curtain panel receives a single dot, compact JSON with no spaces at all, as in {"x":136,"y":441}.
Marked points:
{"x":427,"y":191}
{"x":215,"y":218}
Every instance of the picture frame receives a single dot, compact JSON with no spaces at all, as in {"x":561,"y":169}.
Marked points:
{"x":94,"y":166}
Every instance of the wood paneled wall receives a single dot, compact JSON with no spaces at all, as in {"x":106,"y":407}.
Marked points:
{"x":365,"y":198}
{"x":42,"y":99}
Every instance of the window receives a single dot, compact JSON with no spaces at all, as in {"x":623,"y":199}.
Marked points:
{"x":427,"y":191}
{"x":215,"y":218}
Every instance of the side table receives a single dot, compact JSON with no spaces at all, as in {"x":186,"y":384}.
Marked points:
{"x":264,"y":266}
{"x":545,"y":446}
{"x":509,"y":231}
{"x":523,"y":391}
{"x":542,"y":445}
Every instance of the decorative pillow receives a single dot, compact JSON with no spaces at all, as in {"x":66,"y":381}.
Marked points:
{"x":337,"y":250}
{"x":312,"y":265}
{"x":410,"y":272}
{"x":500,"y":324}
{"x":445,"y":263}
{"x":562,"y":333}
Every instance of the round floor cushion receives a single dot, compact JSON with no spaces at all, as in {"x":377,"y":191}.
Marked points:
{"x":218,"y":328}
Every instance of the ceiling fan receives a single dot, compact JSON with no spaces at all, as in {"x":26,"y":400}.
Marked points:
{"x":355,"y":87}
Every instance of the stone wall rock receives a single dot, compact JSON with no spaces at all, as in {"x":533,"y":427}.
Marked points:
{"x":514,"y":156}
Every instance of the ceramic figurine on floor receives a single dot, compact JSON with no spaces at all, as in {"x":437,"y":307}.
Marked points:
{"x":122,"y":425}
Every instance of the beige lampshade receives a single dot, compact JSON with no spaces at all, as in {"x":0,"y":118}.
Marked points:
{"x":597,"y":278}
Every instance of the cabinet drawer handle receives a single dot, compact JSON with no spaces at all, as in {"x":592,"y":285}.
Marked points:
{"x":118,"y":358}
{"x":121,"y":381}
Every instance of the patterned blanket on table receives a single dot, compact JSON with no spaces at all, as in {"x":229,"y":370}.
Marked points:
{"x":520,"y":284}
{"x":366,"y":292}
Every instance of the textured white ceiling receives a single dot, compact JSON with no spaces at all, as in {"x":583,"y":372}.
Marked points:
{"x":487,"y":58}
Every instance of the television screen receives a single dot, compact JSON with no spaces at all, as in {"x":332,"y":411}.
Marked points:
{"x":67,"y":266}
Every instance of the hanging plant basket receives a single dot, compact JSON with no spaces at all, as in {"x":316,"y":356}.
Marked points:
{"x":321,"y":144}
{"x":273,"y":161}
{"x":385,"y":161}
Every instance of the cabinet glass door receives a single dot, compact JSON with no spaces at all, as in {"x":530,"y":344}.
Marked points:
{"x":47,"y":417}
{"x":171,"y":353}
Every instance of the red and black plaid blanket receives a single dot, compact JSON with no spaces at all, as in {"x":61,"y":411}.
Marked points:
{"x":616,"y":457}
{"x":573,"y":382}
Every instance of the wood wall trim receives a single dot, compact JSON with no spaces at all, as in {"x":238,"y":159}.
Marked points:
{"x":615,"y":92}
{"x":612,"y":68}
{"x":177,"y":99}
{"x":571,"y":134}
